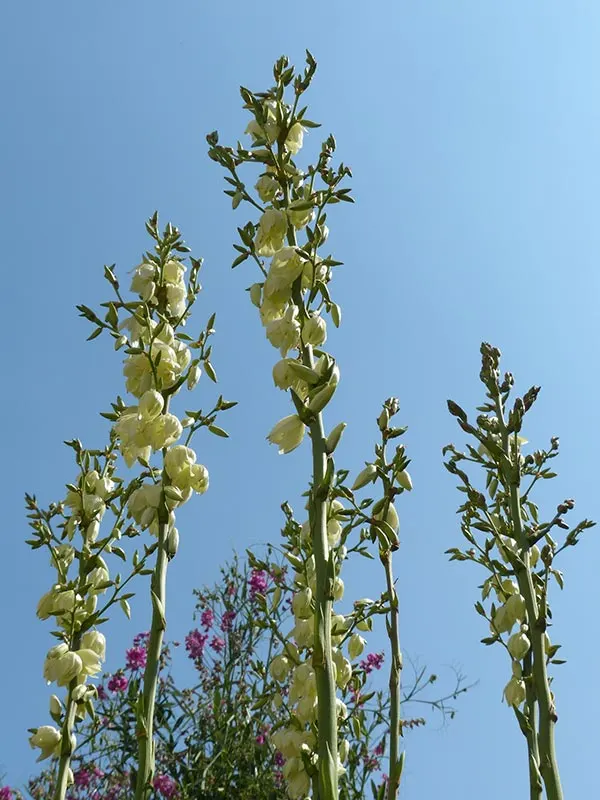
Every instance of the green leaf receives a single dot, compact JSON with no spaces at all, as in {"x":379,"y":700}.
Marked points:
{"x":208,"y":368}
{"x":125,"y":607}
{"x":336,"y":314}
{"x":94,"y":334}
{"x":239,"y":260}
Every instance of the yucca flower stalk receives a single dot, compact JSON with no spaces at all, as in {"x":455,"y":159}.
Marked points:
{"x":292,"y":300}
{"x":505,"y":535}
{"x":159,"y":364}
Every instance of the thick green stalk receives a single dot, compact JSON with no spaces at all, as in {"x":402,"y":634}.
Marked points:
{"x":322,"y":660}
{"x":396,"y":758}
{"x":530,"y":732}
{"x":537,"y":626}
{"x":322,"y":650}
{"x":64,"y":762}
{"x":145,"y":723}
{"x":547,"y":714}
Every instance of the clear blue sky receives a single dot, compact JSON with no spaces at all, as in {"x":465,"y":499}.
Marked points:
{"x":473,"y":130}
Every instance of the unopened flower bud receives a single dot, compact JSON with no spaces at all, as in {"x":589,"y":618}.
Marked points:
{"x":338,"y":588}
{"x":172,"y":542}
{"x":322,"y":397}
{"x":368,"y":475}
{"x":56,"y":708}
{"x":404,"y":480}
{"x":334,"y":437}
{"x":193,"y":376}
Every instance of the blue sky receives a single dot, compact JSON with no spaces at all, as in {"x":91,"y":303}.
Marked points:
{"x":473,"y":131}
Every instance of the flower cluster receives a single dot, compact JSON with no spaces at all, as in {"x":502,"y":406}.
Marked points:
{"x":82,"y":576}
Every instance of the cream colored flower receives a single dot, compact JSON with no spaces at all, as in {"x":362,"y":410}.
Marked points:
{"x":272,"y":229}
{"x":267,"y":187}
{"x":314,"y":331}
{"x":356,"y":645}
{"x":279,"y":668}
{"x":514,"y":692}
{"x":96,"y":641}
{"x":48,"y":739}
{"x":284,"y":333}
{"x":294,"y":139}
{"x":287,"y":434}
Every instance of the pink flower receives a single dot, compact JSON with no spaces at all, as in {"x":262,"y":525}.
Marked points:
{"x":217,"y":644}
{"x":194,"y":644}
{"x":141,"y":640}
{"x":101,"y":692}
{"x":227,"y":620}
{"x":82,"y":777}
{"x":6,"y":793}
{"x":372,"y":661}
{"x":118,"y":682}
{"x":258,"y":582}
{"x":207,"y":618}
{"x":371,"y":763}
{"x":135,"y":658}
{"x":165,"y":786}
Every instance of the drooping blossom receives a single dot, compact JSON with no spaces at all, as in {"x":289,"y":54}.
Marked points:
{"x":217,"y":644}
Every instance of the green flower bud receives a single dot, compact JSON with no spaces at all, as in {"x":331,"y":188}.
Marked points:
{"x":368,"y":475}
{"x":404,"y":480}
{"x":334,"y":437}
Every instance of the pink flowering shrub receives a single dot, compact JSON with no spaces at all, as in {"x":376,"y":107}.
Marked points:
{"x":214,"y":736}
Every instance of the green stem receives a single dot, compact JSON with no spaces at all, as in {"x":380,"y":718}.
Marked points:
{"x":322,"y":658}
{"x":147,"y":700}
{"x":322,"y":649}
{"x":537,"y":626}
{"x":64,"y":762}
{"x":396,"y":759}
{"x":535,"y":779}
